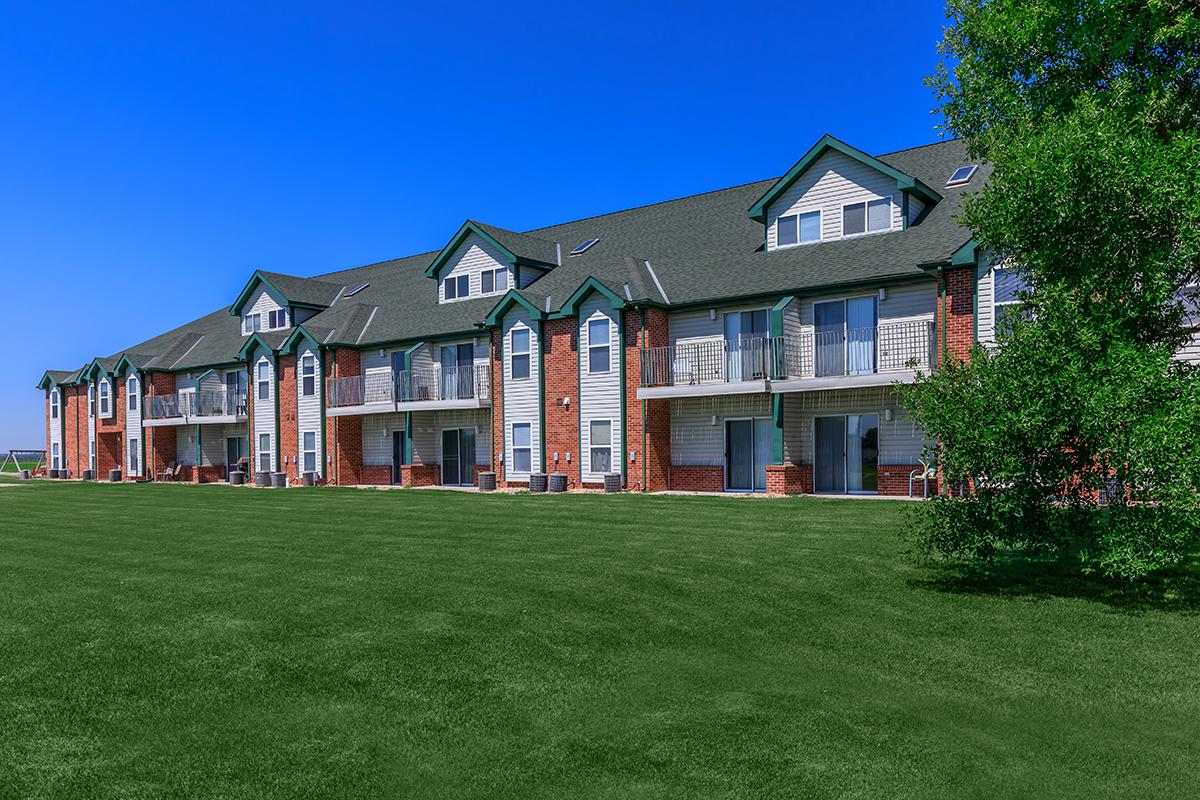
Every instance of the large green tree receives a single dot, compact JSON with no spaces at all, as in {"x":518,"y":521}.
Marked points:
{"x":1089,"y":112}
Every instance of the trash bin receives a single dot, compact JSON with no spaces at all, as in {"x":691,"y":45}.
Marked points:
{"x":487,"y":481}
{"x":612,"y":482}
{"x":279,"y":479}
{"x":262,"y":478}
{"x":310,"y":479}
{"x":88,"y":475}
{"x":537,"y":482}
{"x":114,"y":476}
{"x":558,"y":482}
{"x":237,"y":478}
{"x":26,"y":475}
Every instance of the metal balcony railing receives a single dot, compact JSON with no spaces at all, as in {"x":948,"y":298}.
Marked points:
{"x":466,"y":382}
{"x":854,"y":351}
{"x":207,"y":403}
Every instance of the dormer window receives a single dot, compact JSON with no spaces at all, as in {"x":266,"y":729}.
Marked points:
{"x":798,"y":229}
{"x":277,"y":319}
{"x":872,"y":216}
{"x":253,"y":323}
{"x":493,"y":280}
{"x":104,"y":400}
{"x":457,"y":287}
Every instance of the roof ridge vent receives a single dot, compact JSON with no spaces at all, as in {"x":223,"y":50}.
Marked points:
{"x":356,"y":290}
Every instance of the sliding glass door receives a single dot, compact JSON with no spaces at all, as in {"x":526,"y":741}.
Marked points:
{"x":747,"y":453}
{"x":844,"y":336}
{"x":458,"y":457}
{"x":846,"y":454}
{"x":745,"y":344}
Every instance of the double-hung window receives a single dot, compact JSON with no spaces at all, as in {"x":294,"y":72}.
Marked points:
{"x":1007,"y":304}
{"x":264,"y":452}
{"x":522,"y":440}
{"x":308,"y":375}
{"x":253,"y":323}
{"x":264,"y":380}
{"x":600,"y":431}
{"x":310,"y":451}
{"x":91,"y":401}
{"x":867,"y":217}
{"x":54,"y":404}
{"x":493,"y":280}
{"x":598,"y":345}
{"x":104,"y":398}
{"x":277,"y":318}
{"x":54,"y":456}
{"x":133,"y":457}
{"x":457,"y":287}
{"x":519,"y":354}
{"x":131,"y":388}
{"x":798,"y":229}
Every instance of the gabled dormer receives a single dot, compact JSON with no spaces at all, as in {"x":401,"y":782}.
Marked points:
{"x":835,"y":192}
{"x":272,"y":301}
{"x":485,"y":261}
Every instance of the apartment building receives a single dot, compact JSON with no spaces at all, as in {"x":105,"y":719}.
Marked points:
{"x":746,"y":339}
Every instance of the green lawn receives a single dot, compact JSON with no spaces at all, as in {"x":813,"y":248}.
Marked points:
{"x":179,"y":641}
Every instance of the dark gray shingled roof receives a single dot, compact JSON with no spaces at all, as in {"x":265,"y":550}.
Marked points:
{"x":701,"y":248}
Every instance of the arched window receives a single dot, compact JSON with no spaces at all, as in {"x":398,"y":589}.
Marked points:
{"x":54,"y":404}
{"x":104,"y":398}
{"x":132,"y":386}
{"x":91,"y":400}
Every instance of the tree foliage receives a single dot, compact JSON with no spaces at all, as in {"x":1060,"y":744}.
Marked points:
{"x":1089,"y":112}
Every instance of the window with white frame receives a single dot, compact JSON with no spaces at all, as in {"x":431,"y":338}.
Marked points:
{"x":308,"y":375}
{"x":1007,"y":288}
{"x":457,"y":287}
{"x":310,"y":451}
{"x":871,"y":216}
{"x":91,"y":401}
{"x":798,"y":229}
{"x":253,"y":322}
{"x":598,"y":345}
{"x":264,"y":380}
{"x":264,"y":452}
{"x":54,"y":455}
{"x":92,"y":454}
{"x":54,"y":404}
{"x":494,"y":280}
{"x":131,"y":388}
{"x":277,"y":318}
{"x":519,"y":354}
{"x":104,"y":398}
{"x":600,"y":444}
{"x":133,"y":456}
{"x":522,"y":439}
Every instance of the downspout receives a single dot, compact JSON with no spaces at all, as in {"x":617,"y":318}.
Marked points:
{"x":321,"y":401}
{"x":641,"y":346}
{"x":621,"y":355}
{"x":942,"y":315}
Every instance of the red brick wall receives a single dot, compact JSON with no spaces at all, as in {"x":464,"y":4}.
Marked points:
{"x":560,"y":348}
{"x":653,"y":452}
{"x":345,"y":433}
{"x":110,"y":432}
{"x":160,"y":442}
{"x":697,"y":479}
{"x":419,"y":475}
{"x":957,"y":315}
{"x":789,"y":478}
{"x":497,"y":408}
{"x":289,"y":444}
{"x":71,"y":435}
{"x":893,"y":480}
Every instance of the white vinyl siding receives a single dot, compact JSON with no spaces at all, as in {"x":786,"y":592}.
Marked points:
{"x":56,"y":423}
{"x":427,"y":427}
{"x":599,"y":393}
{"x":521,"y":400}
{"x":830,"y":182}
{"x":264,"y":411}
{"x":692,"y":327}
{"x":377,"y":438}
{"x":263,"y":304}
{"x":472,"y":257}
{"x":696,"y":438}
{"x":308,"y":407}
{"x":985,"y":320}
{"x":133,"y":423}
{"x":901,"y":442}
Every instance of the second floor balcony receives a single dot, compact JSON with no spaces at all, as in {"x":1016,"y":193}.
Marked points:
{"x":465,"y":386}
{"x":874,"y":355}
{"x":219,"y":405}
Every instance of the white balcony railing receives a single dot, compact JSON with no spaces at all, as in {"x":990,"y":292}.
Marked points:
{"x":209,"y":403}
{"x":889,"y":347}
{"x":467,"y":382}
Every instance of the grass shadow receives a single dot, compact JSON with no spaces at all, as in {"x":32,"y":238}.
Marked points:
{"x":1176,"y":590}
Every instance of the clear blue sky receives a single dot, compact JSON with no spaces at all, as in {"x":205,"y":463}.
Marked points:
{"x":151,"y":156}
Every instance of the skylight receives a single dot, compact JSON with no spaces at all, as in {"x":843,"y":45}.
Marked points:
{"x":356,"y":290}
{"x":962,"y":175}
{"x":584,"y":247}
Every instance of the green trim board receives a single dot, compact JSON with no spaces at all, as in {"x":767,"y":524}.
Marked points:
{"x":406,"y":363}
{"x":256,"y":279}
{"x":511,"y":298}
{"x":275,"y":384}
{"x":570,"y":308}
{"x":541,"y":330}
{"x":621,"y":356}
{"x":904,"y":182}
{"x":777,"y":428}
{"x":321,"y":359}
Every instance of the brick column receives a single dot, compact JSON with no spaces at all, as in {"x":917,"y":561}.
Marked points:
{"x":289,"y":443}
{"x":653,"y":447}
{"x":345,"y":433}
{"x":956,"y":313}
{"x":560,"y":348}
{"x":497,"y":407}
{"x":160,"y":442}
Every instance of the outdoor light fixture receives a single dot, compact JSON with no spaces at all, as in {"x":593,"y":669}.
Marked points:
{"x":712,"y":314}
{"x":568,"y":456}
{"x":882,"y":293}
{"x":888,"y":414}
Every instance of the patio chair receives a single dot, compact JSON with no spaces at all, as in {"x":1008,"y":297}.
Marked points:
{"x":923,"y":474}
{"x":171,"y":473}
